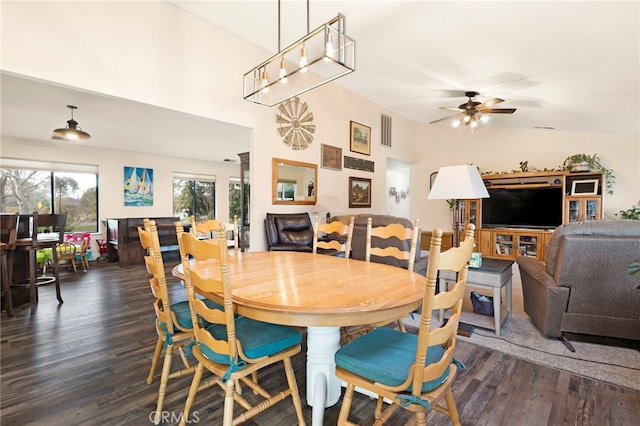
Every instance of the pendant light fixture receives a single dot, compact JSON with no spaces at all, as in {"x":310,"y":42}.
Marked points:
{"x":72,"y":131}
{"x":319,"y":57}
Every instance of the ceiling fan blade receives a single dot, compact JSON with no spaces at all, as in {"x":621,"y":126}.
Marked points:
{"x":443,"y":118}
{"x":451,"y":109}
{"x":490,"y":103}
{"x":499,"y":111}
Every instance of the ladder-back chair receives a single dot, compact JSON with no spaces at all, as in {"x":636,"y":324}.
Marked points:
{"x":173,"y":320}
{"x":232,"y":347}
{"x":333,"y":238}
{"x":207,"y":230}
{"x":412,"y":371}
{"x":67,"y":255}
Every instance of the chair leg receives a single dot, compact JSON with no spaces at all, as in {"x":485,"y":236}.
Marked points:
{"x":56,"y":275}
{"x":33,"y":292}
{"x":154,"y":361}
{"x":293,"y":386}
{"x":193,"y":390}
{"x":6,"y":284}
{"x":164,"y":379}
{"x":346,"y":405}
{"x":229,"y":392}
{"x":451,"y":406}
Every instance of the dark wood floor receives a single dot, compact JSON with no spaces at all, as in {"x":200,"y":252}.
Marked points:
{"x":86,"y":362}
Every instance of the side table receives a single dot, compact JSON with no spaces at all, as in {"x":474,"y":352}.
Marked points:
{"x":494,"y":274}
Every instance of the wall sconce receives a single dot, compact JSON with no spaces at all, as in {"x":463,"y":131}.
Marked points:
{"x":398,"y":194}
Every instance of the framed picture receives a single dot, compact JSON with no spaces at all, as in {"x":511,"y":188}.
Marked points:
{"x":584,"y":187}
{"x":360,"y":138}
{"x":359,"y":192}
{"x":138,"y":186}
{"x":331,"y":157}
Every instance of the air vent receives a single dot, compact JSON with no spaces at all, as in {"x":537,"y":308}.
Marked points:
{"x":385,"y":139}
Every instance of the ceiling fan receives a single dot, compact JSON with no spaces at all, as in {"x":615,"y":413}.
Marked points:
{"x":472,"y":111}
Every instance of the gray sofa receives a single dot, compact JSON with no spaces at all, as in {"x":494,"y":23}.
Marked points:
{"x":359,"y":239}
{"x":584,"y":287}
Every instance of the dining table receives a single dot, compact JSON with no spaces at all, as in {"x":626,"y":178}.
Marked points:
{"x":321,"y":293}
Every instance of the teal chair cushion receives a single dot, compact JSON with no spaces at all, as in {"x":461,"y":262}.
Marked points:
{"x":258,"y":339}
{"x":384,"y":355}
{"x":183,"y":313}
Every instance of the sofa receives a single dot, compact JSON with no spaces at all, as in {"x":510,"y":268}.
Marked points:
{"x":289,"y":232}
{"x":359,"y":239}
{"x":584,"y":288}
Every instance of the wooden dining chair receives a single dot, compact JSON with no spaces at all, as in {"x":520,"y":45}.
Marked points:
{"x":86,"y":244}
{"x":207,"y":229}
{"x":37,"y":232}
{"x":412,"y":371}
{"x":8,"y":226}
{"x":233,"y":347}
{"x":173,"y":319}
{"x":333,"y":238}
{"x":67,"y":255}
{"x":392,"y":241}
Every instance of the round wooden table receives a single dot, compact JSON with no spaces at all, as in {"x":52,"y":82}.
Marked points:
{"x":321,"y":293}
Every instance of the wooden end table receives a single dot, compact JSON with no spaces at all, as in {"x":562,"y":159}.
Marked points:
{"x":494,"y":274}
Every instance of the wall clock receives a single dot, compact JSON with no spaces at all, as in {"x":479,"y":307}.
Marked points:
{"x":296,"y":123}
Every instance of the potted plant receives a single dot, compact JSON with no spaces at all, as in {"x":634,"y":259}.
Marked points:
{"x":632,"y":213}
{"x":585,"y":162}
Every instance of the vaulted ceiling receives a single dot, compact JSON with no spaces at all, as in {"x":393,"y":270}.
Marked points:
{"x":571,"y":66}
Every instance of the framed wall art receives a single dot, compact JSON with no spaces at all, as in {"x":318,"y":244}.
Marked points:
{"x":359,"y":192}
{"x":331,"y":157}
{"x":360,"y":138}
{"x":138,"y":186}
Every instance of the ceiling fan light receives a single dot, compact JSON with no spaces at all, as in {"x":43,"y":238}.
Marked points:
{"x":455,"y":123}
{"x":473,"y":123}
{"x":484,"y":119}
{"x":466,"y":118}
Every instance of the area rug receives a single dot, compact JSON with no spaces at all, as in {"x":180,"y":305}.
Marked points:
{"x":612,"y":364}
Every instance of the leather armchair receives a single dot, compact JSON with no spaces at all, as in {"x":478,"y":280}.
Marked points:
{"x":289,"y":232}
{"x":583,"y":286}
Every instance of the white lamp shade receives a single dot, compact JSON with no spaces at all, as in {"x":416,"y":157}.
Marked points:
{"x":459,"y":183}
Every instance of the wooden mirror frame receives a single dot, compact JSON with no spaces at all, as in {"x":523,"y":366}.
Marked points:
{"x":305,"y":171}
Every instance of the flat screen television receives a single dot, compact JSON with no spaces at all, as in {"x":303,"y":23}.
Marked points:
{"x":522,"y":208}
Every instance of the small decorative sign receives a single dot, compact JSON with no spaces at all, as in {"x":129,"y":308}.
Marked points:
{"x":476,"y":260}
{"x":358,"y":164}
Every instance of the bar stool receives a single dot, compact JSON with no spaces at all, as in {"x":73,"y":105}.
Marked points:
{"x":46,"y":231}
{"x":8,"y":224}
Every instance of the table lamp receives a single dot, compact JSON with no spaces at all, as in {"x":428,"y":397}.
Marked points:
{"x":458,"y":183}
{"x":326,"y":203}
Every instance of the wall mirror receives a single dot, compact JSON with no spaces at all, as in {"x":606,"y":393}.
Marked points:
{"x":293,"y":182}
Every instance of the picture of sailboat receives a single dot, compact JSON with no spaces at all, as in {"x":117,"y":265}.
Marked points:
{"x":138,"y":186}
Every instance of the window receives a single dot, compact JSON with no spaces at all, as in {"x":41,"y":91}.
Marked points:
{"x":29,"y":187}
{"x":194,"y":195}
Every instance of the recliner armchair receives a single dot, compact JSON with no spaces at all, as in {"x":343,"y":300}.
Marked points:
{"x":583,"y":286}
{"x":289,"y":232}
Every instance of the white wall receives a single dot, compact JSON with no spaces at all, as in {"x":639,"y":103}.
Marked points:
{"x":156,"y":53}
{"x":501,"y":150}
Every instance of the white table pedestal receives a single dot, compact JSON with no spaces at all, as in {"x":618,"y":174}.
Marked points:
{"x":323,"y":387}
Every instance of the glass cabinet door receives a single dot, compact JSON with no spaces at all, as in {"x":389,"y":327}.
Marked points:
{"x":591,"y":210}
{"x":504,"y":244}
{"x":528,"y":245}
{"x":573,"y":210}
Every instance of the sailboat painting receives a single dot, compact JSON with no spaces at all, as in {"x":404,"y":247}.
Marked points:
{"x":138,"y":186}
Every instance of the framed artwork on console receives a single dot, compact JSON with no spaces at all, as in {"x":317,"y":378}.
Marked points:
{"x":359,"y":192}
{"x":360,"y":138}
